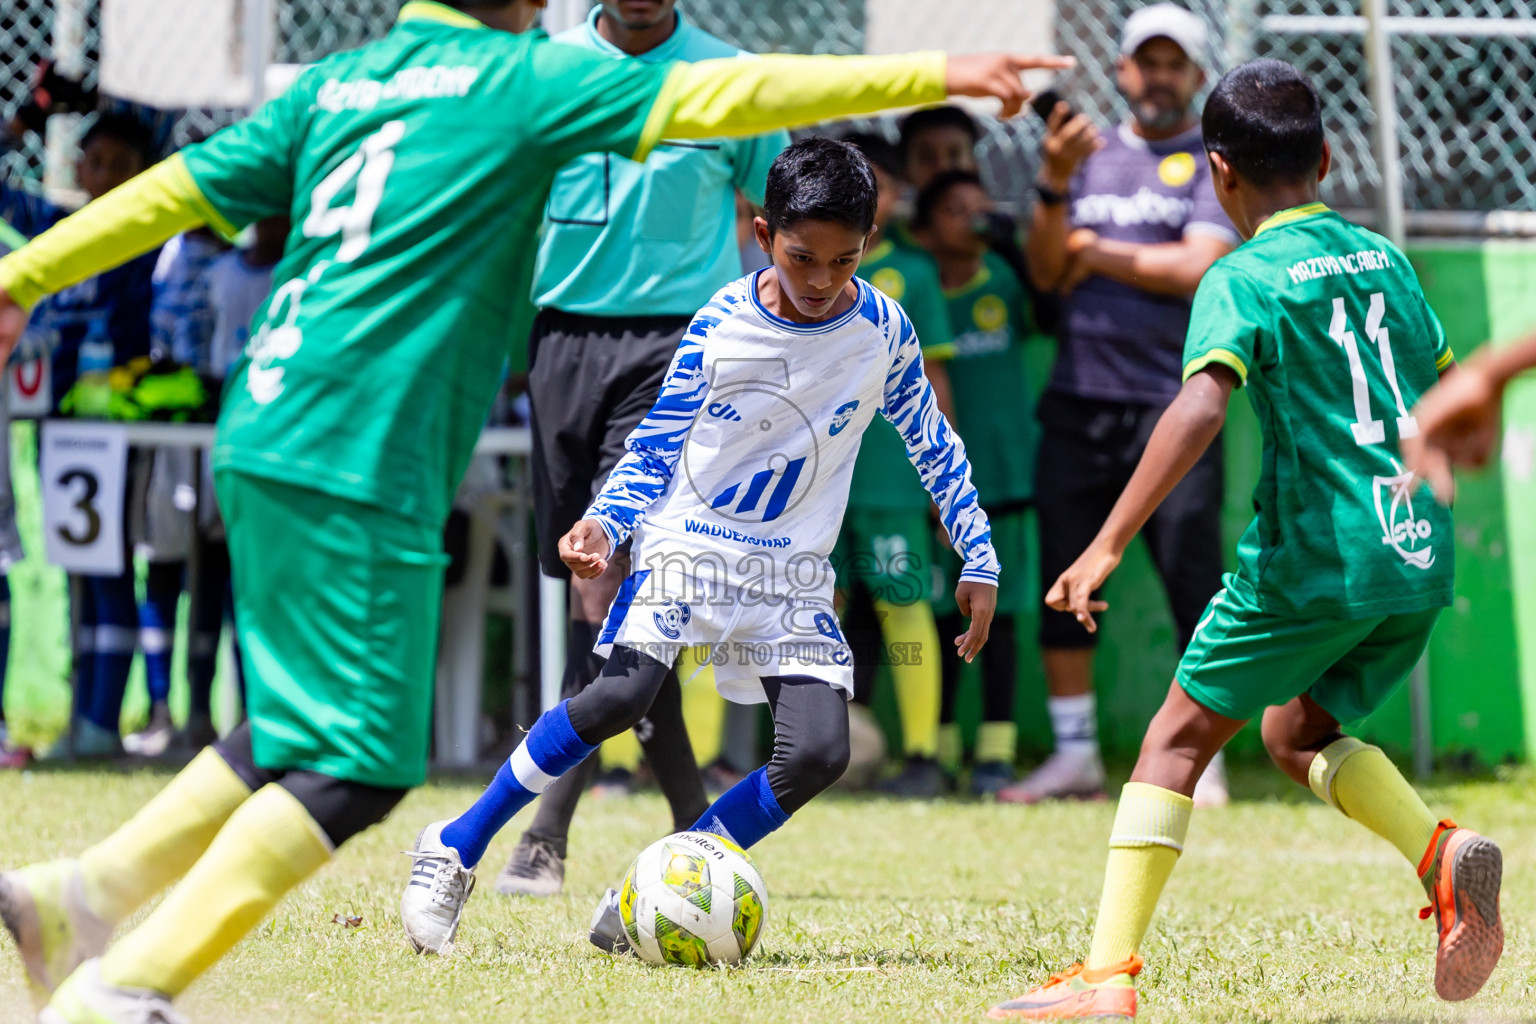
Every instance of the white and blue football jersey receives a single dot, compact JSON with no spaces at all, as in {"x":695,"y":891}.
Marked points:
{"x":740,"y":472}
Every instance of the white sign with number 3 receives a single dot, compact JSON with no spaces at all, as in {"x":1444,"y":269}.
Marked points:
{"x":84,"y":469}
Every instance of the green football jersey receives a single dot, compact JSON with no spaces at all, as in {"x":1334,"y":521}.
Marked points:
{"x":1327,"y":326}
{"x":990,"y":317}
{"x":415,"y":171}
{"x":883,"y":477}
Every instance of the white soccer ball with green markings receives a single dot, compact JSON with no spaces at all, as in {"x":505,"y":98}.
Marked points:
{"x":693,"y":899}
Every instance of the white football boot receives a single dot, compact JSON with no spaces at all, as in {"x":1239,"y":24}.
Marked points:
{"x":86,"y":999}
{"x":434,"y":898}
{"x":1065,"y":775}
{"x":607,"y":930}
{"x":44,"y":909}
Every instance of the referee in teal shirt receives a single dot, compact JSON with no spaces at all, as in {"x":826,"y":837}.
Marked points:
{"x":629,"y":253}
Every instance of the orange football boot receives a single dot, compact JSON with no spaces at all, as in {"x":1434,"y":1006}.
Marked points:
{"x":1461,"y":871}
{"x":1078,"y":994}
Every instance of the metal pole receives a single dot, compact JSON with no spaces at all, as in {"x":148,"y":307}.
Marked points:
{"x":552,"y":653}
{"x":69,"y":58}
{"x":257,"y":24}
{"x":1378,"y":55}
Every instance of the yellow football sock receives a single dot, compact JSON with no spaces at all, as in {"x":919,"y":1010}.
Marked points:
{"x":917,"y":679}
{"x":159,"y":843}
{"x":1150,"y":825}
{"x":703,"y":707}
{"x":1363,"y":784}
{"x":997,"y":741}
{"x":267,"y":847}
{"x":951,"y":747}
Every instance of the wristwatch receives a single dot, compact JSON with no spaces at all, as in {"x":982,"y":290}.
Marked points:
{"x":1048,"y":195}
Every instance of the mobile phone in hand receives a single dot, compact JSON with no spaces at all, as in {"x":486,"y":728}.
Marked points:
{"x":1044,"y":103}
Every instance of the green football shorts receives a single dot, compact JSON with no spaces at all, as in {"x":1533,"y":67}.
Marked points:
{"x":1010,"y":539}
{"x":337,"y":606}
{"x":887,"y":551}
{"x":1243,"y":660}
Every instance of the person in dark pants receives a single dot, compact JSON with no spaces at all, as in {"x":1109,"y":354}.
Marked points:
{"x":630,"y":251}
{"x":1126,"y":225}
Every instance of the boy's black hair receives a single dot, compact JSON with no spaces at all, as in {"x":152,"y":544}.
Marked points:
{"x":878,"y":150}
{"x":820,"y":179}
{"x":928,"y":199}
{"x":1264,"y":118}
{"x":919,"y":121}
{"x":124,"y":128}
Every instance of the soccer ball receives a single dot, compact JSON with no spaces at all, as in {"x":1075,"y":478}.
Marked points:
{"x":693,"y":898}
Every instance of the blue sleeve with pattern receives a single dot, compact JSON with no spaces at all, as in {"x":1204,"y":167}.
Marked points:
{"x":937,"y":452}
{"x":656,"y":445}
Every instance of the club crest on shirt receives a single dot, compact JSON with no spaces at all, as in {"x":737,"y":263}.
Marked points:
{"x":1406,"y":534}
{"x":891,"y":281}
{"x":841,"y":416}
{"x":1176,"y":169}
{"x":671,"y":617}
{"x":990,"y":313}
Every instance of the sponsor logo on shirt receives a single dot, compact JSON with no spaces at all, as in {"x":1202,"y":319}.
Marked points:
{"x":724,"y":411}
{"x":840,"y":417}
{"x":763,"y":497}
{"x":1333,"y":266}
{"x":1176,"y":169}
{"x":1400,"y":529}
{"x":1145,"y":207}
{"x":671,"y":618}
{"x":981,"y":343}
{"x":417,"y":83}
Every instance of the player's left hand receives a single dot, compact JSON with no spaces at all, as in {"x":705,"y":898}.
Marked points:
{"x":1073,"y":590}
{"x":978,"y":601}
{"x":997,"y":74}
{"x":13,"y":321}
{"x":1458,"y":426}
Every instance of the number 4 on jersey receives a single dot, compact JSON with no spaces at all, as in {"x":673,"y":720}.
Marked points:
{"x":1368,"y":430}
{"x":370,"y":165}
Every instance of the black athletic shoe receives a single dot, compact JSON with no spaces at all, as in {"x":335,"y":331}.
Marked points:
{"x":921,"y":779}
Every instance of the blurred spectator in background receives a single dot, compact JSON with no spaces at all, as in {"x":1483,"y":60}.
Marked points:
{"x":886,"y":551}
{"x":88,"y":329}
{"x":629,"y":253}
{"x":181,"y":323}
{"x":1125,"y":226}
{"x":12,"y":755}
{"x":990,"y":316}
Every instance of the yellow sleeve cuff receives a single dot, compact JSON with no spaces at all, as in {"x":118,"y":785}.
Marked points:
{"x":1231,"y":360}
{"x":129,"y":221}
{"x":740,"y":96}
{"x":1446,"y":359}
{"x":939,"y":353}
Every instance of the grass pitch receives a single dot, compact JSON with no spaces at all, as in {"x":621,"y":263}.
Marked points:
{"x":1280,"y":910}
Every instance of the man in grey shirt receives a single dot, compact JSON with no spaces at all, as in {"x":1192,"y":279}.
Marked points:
{"x":1126,"y":225}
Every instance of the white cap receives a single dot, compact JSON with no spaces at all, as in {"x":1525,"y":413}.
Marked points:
{"x":1165,"y":21}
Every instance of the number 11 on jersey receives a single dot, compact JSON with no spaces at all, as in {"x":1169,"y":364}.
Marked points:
{"x":1367,"y":430}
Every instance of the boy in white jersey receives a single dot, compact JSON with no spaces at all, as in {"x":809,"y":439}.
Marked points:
{"x":734,"y":488}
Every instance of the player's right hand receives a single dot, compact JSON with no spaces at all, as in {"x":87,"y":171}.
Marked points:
{"x":997,"y":74}
{"x":585,"y":549}
{"x":1069,"y":140}
{"x":13,"y":321}
{"x":1074,"y":589}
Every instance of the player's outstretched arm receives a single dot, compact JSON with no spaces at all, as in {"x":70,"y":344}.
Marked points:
{"x":126,"y":222}
{"x":727,"y":97}
{"x":1459,"y":417}
{"x":1183,"y":433}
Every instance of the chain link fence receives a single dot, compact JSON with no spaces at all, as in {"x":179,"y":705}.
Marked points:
{"x":1466,"y":89}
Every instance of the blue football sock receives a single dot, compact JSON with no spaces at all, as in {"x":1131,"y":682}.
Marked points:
{"x":551,"y":749}
{"x":745,"y":813}
{"x":156,"y":626}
